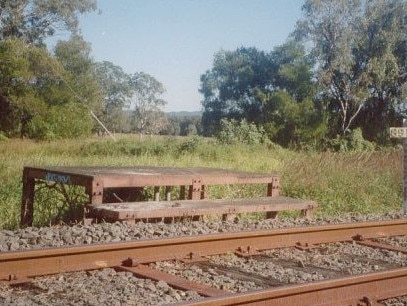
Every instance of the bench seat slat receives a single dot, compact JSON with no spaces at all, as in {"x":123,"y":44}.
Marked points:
{"x":185,"y":208}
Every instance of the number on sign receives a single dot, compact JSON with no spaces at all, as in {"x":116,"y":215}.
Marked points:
{"x":398,"y":132}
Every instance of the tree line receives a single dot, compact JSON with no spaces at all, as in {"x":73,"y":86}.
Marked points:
{"x":65,"y":93}
{"x":340,"y":76}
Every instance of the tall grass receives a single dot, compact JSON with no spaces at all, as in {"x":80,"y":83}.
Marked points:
{"x":363,"y":183}
{"x":340,"y":183}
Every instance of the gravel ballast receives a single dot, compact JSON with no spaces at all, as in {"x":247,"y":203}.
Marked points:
{"x":109,"y":287}
{"x":63,"y":235}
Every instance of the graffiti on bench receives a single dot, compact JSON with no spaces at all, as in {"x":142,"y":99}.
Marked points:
{"x":59,"y":178}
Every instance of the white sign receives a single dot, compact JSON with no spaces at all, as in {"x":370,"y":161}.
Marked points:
{"x":398,"y":132}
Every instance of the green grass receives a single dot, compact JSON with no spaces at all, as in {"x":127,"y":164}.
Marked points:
{"x":363,"y":183}
{"x":341,"y":183}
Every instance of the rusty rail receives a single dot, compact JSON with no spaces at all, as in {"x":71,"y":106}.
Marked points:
{"x":24,"y":264}
{"x":354,"y":290}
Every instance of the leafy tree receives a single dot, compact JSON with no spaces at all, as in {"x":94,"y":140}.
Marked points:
{"x":272,"y":91}
{"x":34,"y":94}
{"x":75,"y":56}
{"x":359,"y":47}
{"x":68,"y":120}
{"x":14,"y":74}
{"x":330,"y":25}
{"x":148,"y":115}
{"x":115,"y":84}
{"x":187,"y":125}
{"x":227,"y":87}
{"x":190,"y":126}
{"x":26,"y":73}
{"x":173,"y":126}
{"x":32,"y":21}
{"x":291,"y":123}
{"x":35,"y":87}
{"x":294,"y":70}
{"x":115,"y":87}
{"x":383,"y":51}
{"x":152,"y":121}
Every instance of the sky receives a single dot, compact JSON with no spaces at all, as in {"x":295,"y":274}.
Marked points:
{"x":175,"y":40}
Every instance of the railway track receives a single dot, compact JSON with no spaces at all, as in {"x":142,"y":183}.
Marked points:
{"x":343,"y":264}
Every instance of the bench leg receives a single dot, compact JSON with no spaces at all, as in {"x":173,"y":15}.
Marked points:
{"x":271,"y":214}
{"x":228,"y":217}
{"x":89,"y":221}
{"x":307,"y":213}
{"x":156,"y":193}
{"x":182,"y":191}
{"x":27,"y":201}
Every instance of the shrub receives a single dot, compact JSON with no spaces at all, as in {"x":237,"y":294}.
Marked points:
{"x":190,"y":145}
{"x":3,"y":137}
{"x":233,"y":131}
{"x":352,"y":142}
{"x":62,"y":121}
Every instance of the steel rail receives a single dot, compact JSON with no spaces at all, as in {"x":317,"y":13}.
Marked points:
{"x":23,"y":264}
{"x":364,"y":289}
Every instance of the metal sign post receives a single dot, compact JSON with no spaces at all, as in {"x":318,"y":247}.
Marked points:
{"x":401,"y":132}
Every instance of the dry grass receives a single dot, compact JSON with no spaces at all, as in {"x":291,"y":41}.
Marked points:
{"x":341,"y":183}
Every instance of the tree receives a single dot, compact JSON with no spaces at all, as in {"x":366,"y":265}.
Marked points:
{"x":75,"y":56}
{"x":148,"y":114}
{"x":32,"y":21}
{"x":115,"y":87}
{"x":245,"y":84}
{"x":35,"y":88}
{"x":183,"y":125}
{"x":228,"y":87}
{"x":173,"y":126}
{"x":190,"y":125}
{"x":34,"y":95}
{"x":291,"y":123}
{"x":383,"y":51}
{"x":330,"y":25}
{"x":294,"y":70}
{"x":359,"y":48}
{"x":23,"y":70}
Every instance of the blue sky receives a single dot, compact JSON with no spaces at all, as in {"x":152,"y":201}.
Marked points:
{"x":175,"y":40}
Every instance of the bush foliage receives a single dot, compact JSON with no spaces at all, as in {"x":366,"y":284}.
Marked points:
{"x":233,"y":131}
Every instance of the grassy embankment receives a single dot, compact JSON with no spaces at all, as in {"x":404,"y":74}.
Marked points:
{"x":341,"y":183}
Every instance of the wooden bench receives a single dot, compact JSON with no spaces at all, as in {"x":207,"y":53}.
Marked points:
{"x":146,"y":210}
{"x":107,"y":185}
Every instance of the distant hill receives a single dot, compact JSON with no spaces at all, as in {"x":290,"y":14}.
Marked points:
{"x":184,"y":114}
{"x":181,"y":114}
